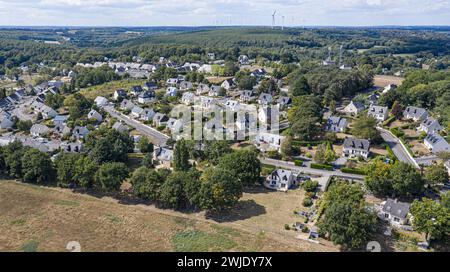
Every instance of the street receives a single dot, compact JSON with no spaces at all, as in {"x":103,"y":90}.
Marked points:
{"x":400,"y":152}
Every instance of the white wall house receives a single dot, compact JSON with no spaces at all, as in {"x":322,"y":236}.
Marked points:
{"x":436,"y":143}
{"x":101,"y":101}
{"x":378,"y":112}
{"x":430,"y":125}
{"x":354,"y":108}
{"x":356,"y":147}
{"x":266,"y":141}
{"x":415,"y":113}
{"x":281,"y":180}
{"x":395,"y":212}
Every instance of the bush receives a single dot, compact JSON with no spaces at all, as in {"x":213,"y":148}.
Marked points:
{"x":322,"y":166}
{"x":310,"y":185}
{"x":397,"y":132}
{"x":298,"y":163}
{"x":308,"y":155}
{"x":307,"y":202}
{"x":353,"y":171}
{"x":286,"y":227}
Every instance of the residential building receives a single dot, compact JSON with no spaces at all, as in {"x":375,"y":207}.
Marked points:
{"x":202,"y":89}
{"x":126,"y":105}
{"x":284,"y":102}
{"x":101,"y":101}
{"x":247,"y":96}
{"x":395,"y":212}
{"x":436,"y":143}
{"x":38,"y":130}
{"x":120,"y":127}
{"x":150,"y":86}
{"x":93,"y":114}
{"x":354,"y":108}
{"x":163,"y":156}
{"x":136,"y":90}
{"x":215,"y":90}
{"x":136,"y":111}
{"x":356,"y":148}
{"x":146,"y":97}
{"x":186,"y":85}
{"x":378,"y":112}
{"x":171,"y":91}
{"x":227,"y":84}
{"x":415,"y":113}
{"x":429,"y":125}
{"x":265,"y":99}
{"x":147,"y":114}
{"x":266,"y":141}
{"x":120,"y":93}
{"x":281,"y":180}
{"x":188,"y":98}
{"x":80,"y":132}
{"x":336,"y":124}
{"x":160,"y":119}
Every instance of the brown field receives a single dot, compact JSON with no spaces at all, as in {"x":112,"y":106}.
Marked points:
{"x":382,"y":80}
{"x":108,"y":89}
{"x":217,"y":79}
{"x":37,"y":218}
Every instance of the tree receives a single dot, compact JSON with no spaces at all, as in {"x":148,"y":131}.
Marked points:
{"x":109,"y":176}
{"x":65,"y":169}
{"x":397,"y":110}
{"x":305,"y":117}
{"x":85,"y":169}
{"x":215,"y":150}
{"x":109,"y":145}
{"x":172,"y":193}
{"x":145,"y":146}
{"x":406,"y":180}
{"x":365,"y":127}
{"x":220,"y":189}
{"x":346,"y":220}
{"x":147,"y":183}
{"x":37,"y":167}
{"x":445,"y":200}
{"x":245,"y":165}
{"x":378,"y":178}
{"x":300,"y":86}
{"x":430,"y":218}
{"x":13,"y":154}
{"x":246,"y":82}
{"x":24,"y":125}
{"x":181,"y":156}
{"x":436,"y":174}
{"x":286,"y":149}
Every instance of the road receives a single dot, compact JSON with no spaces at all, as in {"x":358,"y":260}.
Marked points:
{"x":399,"y":150}
{"x":326,"y":175}
{"x":427,"y":160}
{"x":155,"y":136}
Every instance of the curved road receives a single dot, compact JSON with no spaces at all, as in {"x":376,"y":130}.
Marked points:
{"x":399,"y":150}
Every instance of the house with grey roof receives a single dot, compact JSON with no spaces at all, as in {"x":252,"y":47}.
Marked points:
{"x":5,"y":121}
{"x":186,"y":85}
{"x":150,"y":86}
{"x":380,"y":113}
{"x":72,"y":147}
{"x":120,"y":127}
{"x":136,"y":111}
{"x":265,"y":99}
{"x":395,"y":212}
{"x":202,"y":89}
{"x":136,"y":90}
{"x":174,"y":125}
{"x":336,"y":124}
{"x":147,"y":114}
{"x":281,"y":180}
{"x":188,"y":98}
{"x":79,"y":132}
{"x":415,"y":113}
{"x":227,"y":84}
{"x":354,"y":108}
{"x":120,"y":93}
{"x":247,"y":96}
{"x":146,"y":97}
{"x":356,"y":148}
{"x":93,"y":114}
{"x":38,"y":130}
{"x":215,"y":90}
{"x":436,"y":143}
{"x":101,"y":101}
{"x":430,"y":125}
{"x":284,"y":102}
{"x":171,"y":91}
{"x":126,"y":105}
{"x":163,"y":156}
{"x":160,"y":119}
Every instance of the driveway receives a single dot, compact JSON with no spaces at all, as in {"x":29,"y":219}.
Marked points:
{"x":394,"y":143}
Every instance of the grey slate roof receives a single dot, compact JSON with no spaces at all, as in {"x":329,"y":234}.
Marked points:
{"x":396,"y":208}
{"x":353,"y":143}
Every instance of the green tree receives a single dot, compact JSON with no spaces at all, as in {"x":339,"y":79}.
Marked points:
{"x":430,"y":218}
{"x":378,"y":179}
{"x":300,"y":86}
{"x":109,"y":145}
{"x":147,"y":183}
{"x":109,"y":176}
{"x":365,"y":127}
{"x":436,"y":174}
{"x":245,"y":165}
{"x":85,"y":170}
{"x":172,"y":193}
{"x":181,"y":156}
{"x":65,"y":169}
{"x":215,"y":150}
{"x":406,"y":180}
{"x":24,"y":125}
{"x":286,"y":150}
{"x":145,"y":146}
{"x":37,"y":167}
{"x":13,"y":154}
{"x":397,"y":110}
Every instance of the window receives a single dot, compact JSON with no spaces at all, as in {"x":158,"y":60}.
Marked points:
{"x":386,"y":215}
{"x":396,"y":219}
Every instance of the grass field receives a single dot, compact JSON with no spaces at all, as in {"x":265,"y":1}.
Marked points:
{"x":37,"y":218}
{"x":107,"y":89}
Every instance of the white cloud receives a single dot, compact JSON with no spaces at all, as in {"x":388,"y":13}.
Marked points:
{"x":207,"y":12}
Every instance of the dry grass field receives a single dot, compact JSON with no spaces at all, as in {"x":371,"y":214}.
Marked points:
{"x":108,"y":89}
{"x":382,"y":80}
{"x":37,"y":218}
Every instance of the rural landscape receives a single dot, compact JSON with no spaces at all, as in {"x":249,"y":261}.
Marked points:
{"x":225,"y":139}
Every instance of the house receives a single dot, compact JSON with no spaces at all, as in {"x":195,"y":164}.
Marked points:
{"x":164,"y":156}
{"x":395,"y":212}
{"x":378,"y":112}
{"x":120,"y":127}
{"x":101,"y":101}
{"x":174,"y":125}
{"x":447,"y":166}
{"x":202,"y":89}
{"x":186,"y":85}
{"x":172,"y":82}
{"x":258,"y":73}
{"x":45,"y":110}
{"x":227,"y":84}
{"x":265,"y":99}
{"x":6,"y":122}
{"x":436,"y":143}
{"x":80,"y":132}
{"x":93,"y":114}
{"x":284,"y":102}
{"x":120,"y":93}
{"x":336,"y":124}
{"x":62,"y":128}
{"x":389,"y":88}
{"x":150,"y":86}
{"x":415,"y":113}
{"x":281,"y":180}
{"x":211,"y":56}
{"x":188,"y":98}
{"x":136,"y":90}
{"x":171,"y":91}
{"x":60,"y":119}
{"x":354,"y":108}
{"x":247,"y":96}
{"x":373,"y":98}
{"x":265,"y":115}
{"x":268,"y":141}
{"x":136,"y":111}
{"x":146,"y":97}
{"x":429,"y":125}
{"x":160,"y":119}
{"x":73,"y":147}
{"x":215,"y":90}
{"x":356,"y":148}
{"x":147,"y":114}
{"x":243,"y":60}
{"x":126,"y":105}
{"x":207,"y":102}
{"x":231,"y":105}
{"x":38,"y":130}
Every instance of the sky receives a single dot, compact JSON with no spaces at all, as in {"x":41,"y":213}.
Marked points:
{"x":223,"y":12}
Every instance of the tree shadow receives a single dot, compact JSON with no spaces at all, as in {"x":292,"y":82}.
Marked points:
{"x":244,"y":209}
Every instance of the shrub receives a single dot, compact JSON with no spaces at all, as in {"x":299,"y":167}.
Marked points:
{"x":298,"y":163}
{"x":310,"y":185}
{"x":307,"y":202}
{"x":321,"y":166}
{"x":308,"y":155}
{"x":286,"y":227}
{"x":353,"y":171}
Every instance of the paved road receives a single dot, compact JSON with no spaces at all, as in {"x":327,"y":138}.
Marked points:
{"x":324,"y":174}
{"x":428,"y":160}
{"x":394,"y":143}
{"x":155,"y":136}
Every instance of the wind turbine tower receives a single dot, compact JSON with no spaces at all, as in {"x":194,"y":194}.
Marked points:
{"x":273,"y":19}
{"x":282,"y":22}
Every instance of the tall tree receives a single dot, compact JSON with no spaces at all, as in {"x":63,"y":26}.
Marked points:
{"x":430,"y":218}
{"x":37,"y":167}
{"x":406,"y":180}
{"x":436,"y":174}
{"x":245,"y":165}
{"x":365,"y":127}
{"x":109,"y":176}
{"x":181,"y":156}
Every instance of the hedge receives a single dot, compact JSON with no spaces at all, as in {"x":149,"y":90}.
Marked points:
{"x":321,"y":166}
{"x":353,"y":171}
{"x":397,"y":132}
{"x":389,"y":121}
{"x":298,"y":163}
{"x":306,"y":143}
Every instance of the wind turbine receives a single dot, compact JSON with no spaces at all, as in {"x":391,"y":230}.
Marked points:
{"x":282,"y":22}
{"x":273,"y":19}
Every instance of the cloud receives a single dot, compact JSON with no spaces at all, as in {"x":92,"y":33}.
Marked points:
{"x":208,"y":12}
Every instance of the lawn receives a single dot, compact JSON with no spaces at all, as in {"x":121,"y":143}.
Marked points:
{"x":108,"y":89}
{"x":45,"y":219}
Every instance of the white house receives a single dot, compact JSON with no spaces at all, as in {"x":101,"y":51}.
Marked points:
{"x":80,"y":132}
{"x":120,"y":127}
{"x":163,"y":156}
{"x":101,"y":101}
{"x":120,"y":93}
{"x":172,"y":82}
{"x":430,"y":125}
{"x":378,"y":112}
{"x":336,"y":124}
{"x":284,"y":102}
{"x":265,"y":99}
{"x":160,"y":119}
{"x":39,"y":130}
{"x":268,"y":141}
{"x":389,"y":88}
{"x":147,"y":114}
{"x":126,"y":105}
{"x":136,"y":111}
{"x":436,"y":143}
{"x":171,"y":91}
{"x":415,"y":113}
{"x":354,"y":108}
{"x":186,"y":85}
{"x":395,"y":212}
{"x":5,"y":122}
{"x":207,"y":102}
{"x":231,"y":105}
{"x":93,"y":114}
{"x":243,"y":60}
{"x":188,"y":98}
{"x":227,"y":84}
{"x":356,"y":147}
{"x":174,"y":125}
{"x":281,"y":180}
{"x":247,"y":96}
{"x":146,"y":97}
{"x":214,"y":90}
{"x":202,"y":89}
{"x":136,"y":90}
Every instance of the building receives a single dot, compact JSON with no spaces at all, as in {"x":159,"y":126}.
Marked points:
{"x":265,"y":99}
{"x":147,"y":114}
{"x":356,"y":148}
{"x":38,"y":130}
{"x":186,"y":85}
{"x":120,"y":93}
{"x":281,"y":180}
{"x":336,"y":124}
{"x":227,"y":84}
{"x":93,"y":114}
{"x":163,"y":156}
{"x":436,"y":143}
{"x":215,"y":90}
{"x":395,"y":212}
{"x":6,"y":122}
{"x":146,"y":97}
{"x":231,"y":105}
{"x":202,"y":89}
{"x":171,"y":91}
{"x":136,"y":111}
{"x":101,"y":101}
{"x":354,"y":108}
{"x":188,"y":98}
{"x":150,"y":86}
{"x":284,"y":102}
{"x":174,"y":125}
{"x":80,"y":132}
{"x":160,"y":119}
{"x":265,"y":141}
{"x":120,"y":127}
{"x":72,"y":147}
{"x":247,"y":96}
{"x":126,"y":104}
{"x":415,"y":113}
{"x":378,"y":112}
{"x":430,"y":125}
{"x":45,"y":110}
{"x":243,"y":60}
{"x":136,"y":90}
{"x":389,"y":88}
